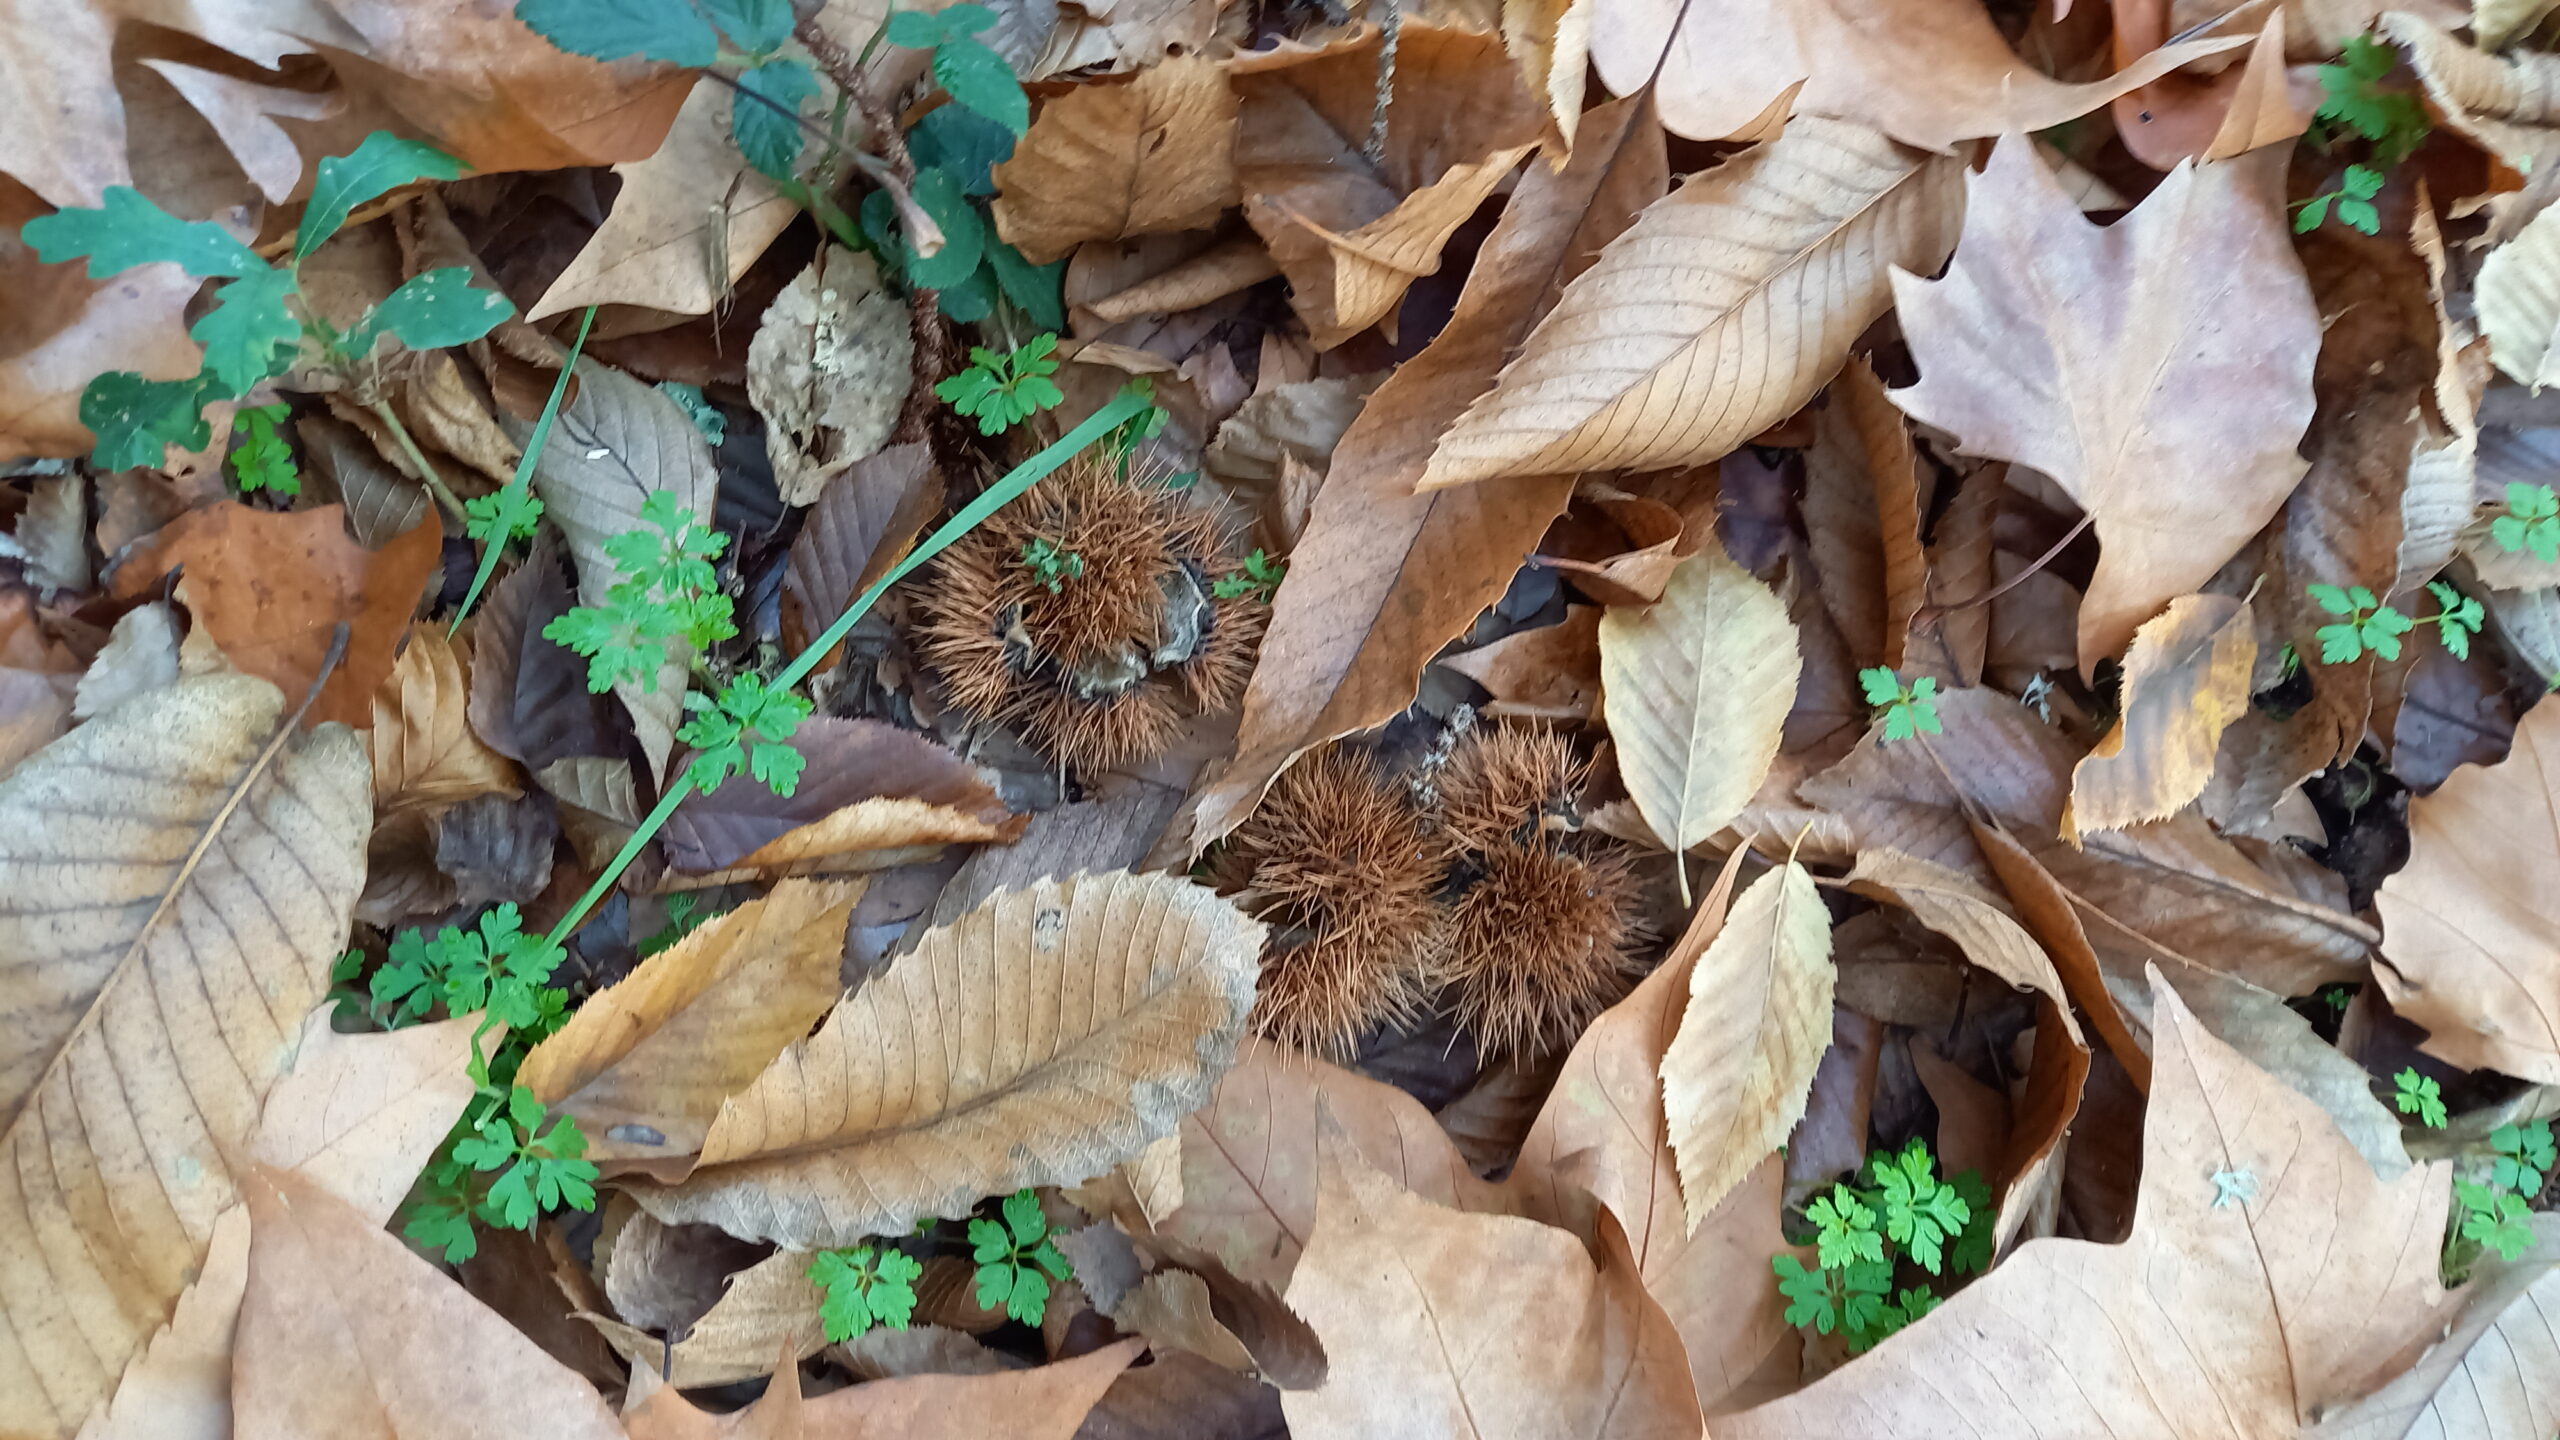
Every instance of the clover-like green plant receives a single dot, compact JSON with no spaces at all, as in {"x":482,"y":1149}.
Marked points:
{"x":667,"y":592}
{"x":1908,"y":709}
{"x":1011,"y":1256}
{"x":1259,"y":577}
{"x":1903,"y":1214}
{"x":1002,"y":389}
{"x":743,"y":728}
{"x":2367,"y":626}
{"x":2353,"y":200}
{"x":2525,"y":1154}
{"x":864,"y":1286}
{"x":501,"y":1167}
{"x":1049,"y":565}
{"x":260,"y":324}
{"x":2353,"y":98}
{"x":2419,"y":1095}
{"x":2532,"y":522}
{"x":1921,"y":1212}
{"x":262,"y":460}
{"x":2494,"y":1219}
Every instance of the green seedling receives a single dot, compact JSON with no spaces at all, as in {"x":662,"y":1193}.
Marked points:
{"x":1001,"y":390}
{"x":1861,"y":1233}
{"x":1908,"y":709}
{"x":2532,"y":522}
{"x":668,"y":594}
{"x":864,"y":1287}
{"x":501,"y":1167}
{"x":1921,"y":1212}
{"x":1049,"y":565}
{"x":2353,"y":200}
{"x":743,"y":728}
{"x":2524,"y":1156}
{"x":2366,"y":626}
{"x":262,"y":460}
{"x":685,"y":914}
{"x":2494,"y":1219}
{"x":1260,"y":578}
{"x":2354,"y":99}
{"x":1011,"y":1257}
{"x":2419,"y":1095}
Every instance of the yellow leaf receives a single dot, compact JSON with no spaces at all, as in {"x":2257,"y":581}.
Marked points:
{"x":2185,"y":680}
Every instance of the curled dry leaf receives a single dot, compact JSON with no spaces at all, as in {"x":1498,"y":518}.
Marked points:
{"x":1734,"y":1079}
{"x":2467,"y":928}
{"x":2292,"y":1285}
{"x":1439,"y":1322}
{"x":424,"y":753}
{"x":1107,"y":161}
{"x":644,"y":1066}
{"x":176,"y":885}
{"x":1718,"y":314}
{"x":2518,"y":299}
{"x":829,"y":369}
{"x":269,"y":587}
{"x":2197,"y":292}
{"x":2507,"y":105}
{"x":866,"y":786}
{"x":1697,"y":687}
{"x":1047,"y":1036}
{"x":1548,"y":673}
{"x":762,"y":1309}
{"x":1862,"y":515}
{"x":2185,"y":680}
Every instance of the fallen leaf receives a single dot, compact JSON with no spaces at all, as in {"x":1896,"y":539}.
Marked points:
{"x":424,"y":753}
{"x":861,"y":524}
{"x":2466,"y":948}
{"x":1303,"y":420}
{"x":42,"y":688}
{"x":1183,"y":1397}
{"x":1551,"y":40}
{"x":1445,"y":1323}
{"x":1758,"y":1018}
{"x":829,"y":369}
{"x":2214,"y":310}
{"x":1047,"y":1402}
{"x":345,"y":1332}
{"x":270,"y":587}
{"x":1862,"y":514}
{"x":177,"y":805}
{"x":2518,"y":297}
{"x":1070,"y":1025}
{"x":529,"y":696}
{"x":867,"y":786}
{"x":1549,"y":673}
{"x":1696,"y":688}
{"x":1344,"y":281}
{"x":2507,"y":105}
{"x":1171,"y":1309}
{"x":761,"y":1310}
{"x":2295,"y":1284}
{"x":2185,"y":680}
{"x":2185,"y":115}
{"x":1328,"y":665}
{"x":2493,"y":1375}
{"x":1718,"y":314}
{"x":1106,"y":161}
{"x":52,"y":534}
{"x":612,"y":446}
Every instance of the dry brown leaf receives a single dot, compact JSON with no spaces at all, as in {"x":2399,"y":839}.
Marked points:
{"x":344,"y":1332}
{"x":176,"y":886}
{"x":2296,"y":1282}
{"x":1551,"y":40}
{"x":1047,"y":1036}
{"x":1718,"y":314}
{"x":644,"y":1066}
{"x":1758,"y":1018}
{"x":529,"y":696}
{"x":2518,"y":299}
{"x":269,"y":586}
{"x":1107,"y":161}
{"x":862,"y":523}
{"x":2466,"y":929}
{"x":1928,"y":72}
{"x":1439,"y":1322}
{"x":2198,"y":292}
{"x":762,"y":1309}
{"x":2495,"y":1375}
{"x":688,"y":222}
{"x":829,"y":370}
{"x":1697,"y":688}
{"x":2185,"y":115}
{"x":42,"y":687}
{"x":424,"y":753}
{"x":1549,"y":673}
{"x":1249,"y":1157}
{"x":1862,"y":509}
{"x":1047,"y":1402}
{"x":2508,"y":106}
{"x":1330,"y":663}
{"x":2185,"y":680}
{"x":1171,"y":1309}
{"x":1344,"y":281}
{"x":867,"y":786}
{"x":613,"y":445}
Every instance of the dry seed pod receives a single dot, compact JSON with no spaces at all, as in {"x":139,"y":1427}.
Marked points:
{"x":1336,"y":861}
{"x":1083,"y":615}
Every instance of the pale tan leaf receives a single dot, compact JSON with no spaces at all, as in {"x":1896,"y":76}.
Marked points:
{"x":141,"y":654}
{"x":1697,"y":688}
{"x":2495,"y":22}
{"x":2185,"y":680}
{"x":1049,"y":1035}
{"x":344,"y":1332}
{"x":2518,"y":298}
{"x":2261,"y":109}
{"x":1734,"y":1079}
{"x":2508,"y":106}
{"x":1551,"y":672}
{"x":1107,"y":161}
{"x":2027,"y":346}
{"x":1046,"y":1402}
{"x":868,"y":786}
{"x":2494,"y":1376}
{"x":767,"y":1306}
{"x":1862,"y":509}
{"x":687,"y":223}
{"x":1718,"y":314}
{"x":829,"y":370}
{"x":1343,"y":282}
{"x":1551,"y":40}
{"x":2251,"y":1316}
{"x":2468,"y":931}
{"x":174,"y":884}
{"x":424,"y":751}
{"x":613,"y":446}
{"x":1442,"y":1323}
{"x":644,"y":1066}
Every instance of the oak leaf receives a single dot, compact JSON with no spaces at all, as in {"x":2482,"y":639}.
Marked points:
{"x":1103,"y":162}
{"x":2294,"y":1282}
{"x":2185,"y":680}
{"x":1045,"y":1037}
{"x":1718,"y":314}
{"x":2159,"y":369}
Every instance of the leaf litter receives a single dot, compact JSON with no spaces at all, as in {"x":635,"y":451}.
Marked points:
{"x":1758,"y":717}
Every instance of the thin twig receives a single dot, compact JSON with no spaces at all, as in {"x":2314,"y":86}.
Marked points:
{"x":1939,"y":612}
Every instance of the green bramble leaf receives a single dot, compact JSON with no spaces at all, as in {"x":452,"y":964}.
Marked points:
{"x":754,"y":26}
{"x":973,"y":74}
{"x":128,"y":230}
{"x":137,"y":420}
{"x":969,"y":146}
{"x":669,"y":30}
{"x":1038,"y":291}
{"x":964,"y":236}
{"x":262,"y":460}
{"x":380,"y":165}
{"x":765,"y":118}
{"x":430,"y":312}
{"x":249,"y":333}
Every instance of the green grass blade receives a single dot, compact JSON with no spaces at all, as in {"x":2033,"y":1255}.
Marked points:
{"x":523,"y":478}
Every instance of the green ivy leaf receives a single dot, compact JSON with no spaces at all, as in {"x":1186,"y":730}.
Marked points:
{"x":754,"y":26}
{"x":765,"y":117}
{"x":669,"y":30}
{"x":432,"y":311}
{"x":128,"y":230}
{"x":137,"y":420}
{"x":382,"y":164}
{"x":976,"y":76}
{"x":247,"y":327}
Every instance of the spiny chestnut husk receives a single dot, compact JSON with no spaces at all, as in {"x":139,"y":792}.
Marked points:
{"x":1336,"y":860}
{"x":1542,"y":927}
{"x":1108,"y":666}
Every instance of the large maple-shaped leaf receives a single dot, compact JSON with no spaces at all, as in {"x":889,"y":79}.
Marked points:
{"x":2158,"y":369}
{"x":2269,"y":1277}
